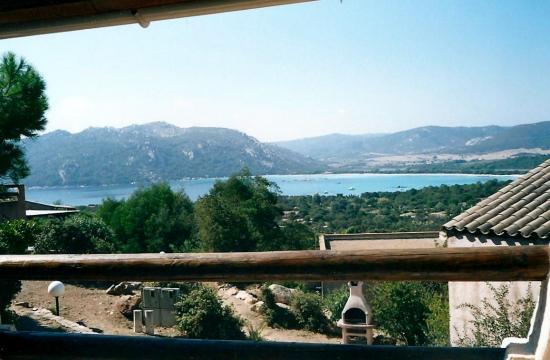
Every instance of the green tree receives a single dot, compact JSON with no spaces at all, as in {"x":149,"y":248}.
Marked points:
{"x":78,"y":234}
{"x":153,"y":219}
{"x":240,"y":214}
{"x":22,"y":107}
{"x":201,"y":315}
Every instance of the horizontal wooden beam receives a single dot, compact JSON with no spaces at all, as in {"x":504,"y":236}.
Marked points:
{"x":443,"y":264}
{"x":28,"y":345}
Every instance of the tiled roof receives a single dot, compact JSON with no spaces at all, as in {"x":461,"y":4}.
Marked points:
{"x":521,"y":208}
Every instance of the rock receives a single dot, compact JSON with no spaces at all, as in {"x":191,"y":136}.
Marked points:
{"x":233,"y":291}
{"x":23,"y":304}
{"x":127,"y":304}
{"x":281,"y":293}
{"x":257,"y":307}
{"x":123,"y":288}
{"x":248,"y":298}
{"x":284,"y":306}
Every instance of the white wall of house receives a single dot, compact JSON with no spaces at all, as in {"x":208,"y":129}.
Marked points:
{"x":474,"y":292}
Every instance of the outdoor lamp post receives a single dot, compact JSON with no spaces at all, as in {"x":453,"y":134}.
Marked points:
{"x":56,"y":289}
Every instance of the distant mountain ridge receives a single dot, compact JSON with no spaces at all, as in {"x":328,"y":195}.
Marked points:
{"x":153,"y":152}
{"x":424,"y":140}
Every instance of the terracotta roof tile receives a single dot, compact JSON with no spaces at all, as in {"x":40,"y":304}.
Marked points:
{"x":521,"y":208}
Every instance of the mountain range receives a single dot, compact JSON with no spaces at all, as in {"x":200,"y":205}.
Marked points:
{"x":424,"y":140}
{"x":153,"y":152}
{"x":160,"y":151}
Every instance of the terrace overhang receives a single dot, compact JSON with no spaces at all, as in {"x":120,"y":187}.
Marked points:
{"x":35,"y":17}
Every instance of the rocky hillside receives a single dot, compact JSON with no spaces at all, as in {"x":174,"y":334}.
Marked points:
{"x":424,"y":140}
{"x":153,"y":152}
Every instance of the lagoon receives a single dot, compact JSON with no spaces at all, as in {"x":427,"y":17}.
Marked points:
{"x":323,"y":184}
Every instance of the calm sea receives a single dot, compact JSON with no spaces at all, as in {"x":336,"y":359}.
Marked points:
{"x":323,"y":184}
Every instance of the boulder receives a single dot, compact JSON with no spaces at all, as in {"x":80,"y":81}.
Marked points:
{"x":283,"y":306}
{"x":123,"y":288}
{"x":281,"y":293}
{"x":244,"y":296}
{"x":257,"y":307}
{"x":127,"y":304}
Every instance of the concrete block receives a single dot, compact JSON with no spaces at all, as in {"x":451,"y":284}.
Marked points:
{"x":168,"y":298}
{"x":167,"y":318}
{"x":149,"y":322}
{"x":151,"y":298}
{"x":138,"y":321}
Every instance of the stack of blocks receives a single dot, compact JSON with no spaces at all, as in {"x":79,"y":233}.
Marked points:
{"x":161,"y":301}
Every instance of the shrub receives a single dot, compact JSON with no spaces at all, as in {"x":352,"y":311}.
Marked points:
{"x":335,"y":302}
{"x":254,"y":333}
{"x":497,"y":318}
{"x":78,"y":234}
{"x":15,"y":237}
{"x":201,"y":315}
{"x":274,"y":315}
{"x":307,"y":309}
{"x":400,"y":310}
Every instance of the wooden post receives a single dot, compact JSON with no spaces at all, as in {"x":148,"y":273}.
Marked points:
{"x":440,"y":264}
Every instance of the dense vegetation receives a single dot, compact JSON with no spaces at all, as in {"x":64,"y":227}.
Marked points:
{"x":513,"y":165}
{"x":153,"y":219}
{"x":412,"y":210}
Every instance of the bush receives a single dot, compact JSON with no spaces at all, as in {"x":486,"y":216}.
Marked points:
{"x":274,"y":315}
{"x":335,"y":302}
{"x":307,"y":309}
{"x":15,"y":237}
{"x":201,"y":315}
{"x":498,"y":318}
{"x":78,"y":234}
{"x":400,"y":310}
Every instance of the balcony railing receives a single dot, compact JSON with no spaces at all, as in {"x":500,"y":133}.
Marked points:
{"x":446,"y":264}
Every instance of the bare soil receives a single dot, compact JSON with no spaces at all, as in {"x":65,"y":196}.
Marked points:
{"x":90,"y":306}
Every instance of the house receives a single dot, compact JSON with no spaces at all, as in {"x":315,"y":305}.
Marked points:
{"x":13,"y":205}
{"x":516,"y":215}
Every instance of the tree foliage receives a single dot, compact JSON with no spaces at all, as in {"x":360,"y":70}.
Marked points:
{"x":77,"y":234}
{"x":411,"y":210}
{"x":201,"y":315}
{"x":22,"y":107}
{"x":153,"y":219}
{"x":240,"y":214}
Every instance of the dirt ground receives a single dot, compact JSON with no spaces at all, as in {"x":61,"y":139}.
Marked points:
{"x":91,"y":307}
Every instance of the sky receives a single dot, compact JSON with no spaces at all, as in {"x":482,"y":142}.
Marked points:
{"x":286,"y":72}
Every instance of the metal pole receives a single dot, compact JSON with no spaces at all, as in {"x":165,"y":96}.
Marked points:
{"x":57,"y":305}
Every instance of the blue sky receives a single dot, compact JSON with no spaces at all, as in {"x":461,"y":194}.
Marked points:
{"x":308,"y":69}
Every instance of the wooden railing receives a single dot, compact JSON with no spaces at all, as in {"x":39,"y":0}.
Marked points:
{"x":457,"y":264}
